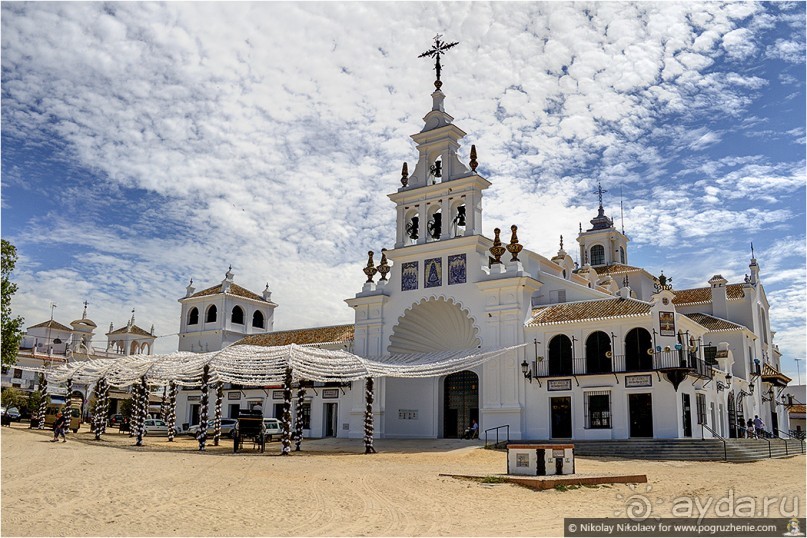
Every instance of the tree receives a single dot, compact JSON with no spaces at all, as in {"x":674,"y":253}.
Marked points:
{"x":12,"y":397}
{"x":11,"y":326}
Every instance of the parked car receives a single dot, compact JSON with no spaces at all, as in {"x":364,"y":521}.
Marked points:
{"x":227,"y":427}
{"x":273,"y":428}
{"x":54,"y":408}
{"x":12,"y":412}
{"x":155,"y":426}
{"x":115,"y":420}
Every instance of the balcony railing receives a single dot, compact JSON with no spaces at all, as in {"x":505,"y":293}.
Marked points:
{"x":663,"y":360}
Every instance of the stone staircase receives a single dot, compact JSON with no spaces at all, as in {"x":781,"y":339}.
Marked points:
{"x":736,"y":450}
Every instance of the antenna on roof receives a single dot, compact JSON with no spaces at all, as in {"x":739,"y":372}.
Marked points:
{"x":621,"y":212}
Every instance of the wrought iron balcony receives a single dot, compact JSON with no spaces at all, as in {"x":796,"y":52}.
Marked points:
{"x":662,"y":361}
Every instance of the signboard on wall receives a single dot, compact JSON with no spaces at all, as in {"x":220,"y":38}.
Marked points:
{"x":638,"y":381}
{"x":277,"y":394}
{"x":233,"y":395}
{"x":559,"y":384}
{"x":330,"y":393}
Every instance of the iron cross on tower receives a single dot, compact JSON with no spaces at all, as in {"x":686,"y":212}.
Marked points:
{"x":599,"y":192}
{"x":440,"y":47}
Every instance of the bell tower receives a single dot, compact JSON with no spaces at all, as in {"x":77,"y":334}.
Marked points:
{"x":602,"y":244}
{"x":442,"y":199}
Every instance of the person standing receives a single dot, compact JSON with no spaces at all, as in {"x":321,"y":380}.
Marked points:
{"x":760,"y":426}
{"x":59,"y":427}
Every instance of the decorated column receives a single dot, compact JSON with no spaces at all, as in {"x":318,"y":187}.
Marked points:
{"x":202,"y":435}
{"x":68,"y":405}
{"x":368,"y":417}
{"x":98,"y":413}
{"x":217,"y":416}
{"x":286,"y":435}
{"x":172,"y":411}
{"x":43,"y":403}
{"x":135,"y":409}
{"x":298,"y":421}
{"x":104,"y":406}
{"x":143,"y":409}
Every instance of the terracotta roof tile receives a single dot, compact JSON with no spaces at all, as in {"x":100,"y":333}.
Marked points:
{"x":314,"y":335}
{"x":714,"y":324}
{"x":616,"y":268}
{"x":800,"y":408}
{"x":133,"y":330}
{"x":704,"y":295}
{"x":588,"y":310}
{"x":50,"y":324}
{"x":235,"y":289}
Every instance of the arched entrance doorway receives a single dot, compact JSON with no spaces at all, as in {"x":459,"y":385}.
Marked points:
{"x":460,"y":402}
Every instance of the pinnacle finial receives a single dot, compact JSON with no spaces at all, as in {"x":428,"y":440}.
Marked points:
{"x":514,"y":247}
{"x":561,"y":242}
{"x":752,"y":250}
{"x":497,"y":249}
{"x":84,"y":314}
{"x":370,"y":269}
{"x":405,"y":175}
{"x":383,"y":268}
{"x":473,"y":162}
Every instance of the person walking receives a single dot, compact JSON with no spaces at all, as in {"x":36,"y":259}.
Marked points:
{"x":59,"y":427}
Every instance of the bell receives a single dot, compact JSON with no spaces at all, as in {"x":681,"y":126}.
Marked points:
{"x":459,"y":220}
{"x":412,"y":228}
{"x":437,"y":169}
{"x":435,"y":225}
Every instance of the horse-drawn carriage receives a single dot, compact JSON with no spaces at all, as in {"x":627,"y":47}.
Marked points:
{"x":250,"y":426}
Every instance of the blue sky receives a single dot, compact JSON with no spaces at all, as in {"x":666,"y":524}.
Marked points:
{"x":145,"y":144}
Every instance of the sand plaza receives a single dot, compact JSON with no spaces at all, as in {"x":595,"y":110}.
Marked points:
{"x":112,"y":488}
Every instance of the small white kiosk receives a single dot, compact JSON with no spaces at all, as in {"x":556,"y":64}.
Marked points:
{"x":540,"y":460}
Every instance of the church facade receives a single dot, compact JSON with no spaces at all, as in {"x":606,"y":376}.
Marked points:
{"x":610,"y":350}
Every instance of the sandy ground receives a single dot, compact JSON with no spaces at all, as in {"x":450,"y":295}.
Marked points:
{"x":110,"y":488}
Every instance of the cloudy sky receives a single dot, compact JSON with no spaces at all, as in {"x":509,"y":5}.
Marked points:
{"x":145,"y":144}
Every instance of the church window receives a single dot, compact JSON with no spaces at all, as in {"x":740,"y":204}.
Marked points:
{"x":597,"y":255}
{"x":193,"y":316}
{"x":212,"y":314}
{"x":257,"y":319}
{"x":237,"y":316}
{"x":621,"y":255}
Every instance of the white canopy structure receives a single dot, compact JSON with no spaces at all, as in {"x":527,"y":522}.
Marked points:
{"x":255,"y":366}
{"x":261,"y":366}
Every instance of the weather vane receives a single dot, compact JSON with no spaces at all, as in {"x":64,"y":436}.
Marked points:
{"x":440,"y":47}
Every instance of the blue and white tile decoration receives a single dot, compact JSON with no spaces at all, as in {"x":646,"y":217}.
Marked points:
{"x":409,"y":276}
{"x":433,"y":272}
{"x":456,"y":269}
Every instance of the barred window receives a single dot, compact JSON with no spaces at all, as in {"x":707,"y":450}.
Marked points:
{"x":597,"y":255}
{"x":598,"y":409}
{"x":700,"y":401}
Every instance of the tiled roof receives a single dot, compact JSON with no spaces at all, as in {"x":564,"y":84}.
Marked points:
{"x":235,"y":289}
{"x":704,"y":295}
{"x":588,"y":310}
{"x":714,"y":324}
{"x":314,"y":335}
{"x":50,"y":324}
{"x":800,"y":408}
{"x":134,"y":329}
{"x":616,"y":268}
{"x":771,"y":374}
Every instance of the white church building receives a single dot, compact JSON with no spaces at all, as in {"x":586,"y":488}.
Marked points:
{"x":612,"y":351}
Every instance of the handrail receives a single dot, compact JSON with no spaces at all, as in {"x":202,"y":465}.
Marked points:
{"x":496,"y":429}
{"x":801,"y":442}
{"x":715,"y":434}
